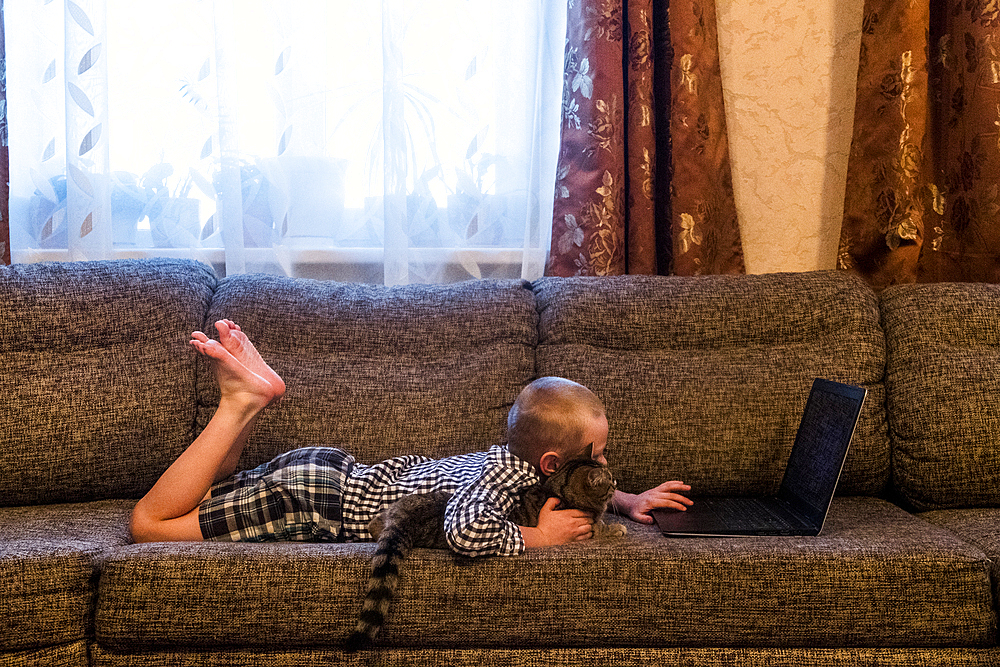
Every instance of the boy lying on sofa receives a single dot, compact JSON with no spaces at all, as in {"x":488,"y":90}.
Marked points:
{"x":321,"y":494}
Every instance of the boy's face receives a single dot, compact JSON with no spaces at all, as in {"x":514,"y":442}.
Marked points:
{"x":597,"y":432}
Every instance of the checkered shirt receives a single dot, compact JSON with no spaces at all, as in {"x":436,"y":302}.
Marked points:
{"x":485,"y":487}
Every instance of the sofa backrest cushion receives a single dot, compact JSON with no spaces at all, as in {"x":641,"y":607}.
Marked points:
{"x":943,"y":382}
{"x":705,"y":379}
{"x":96,"y":375}
{"x":382,"y":371}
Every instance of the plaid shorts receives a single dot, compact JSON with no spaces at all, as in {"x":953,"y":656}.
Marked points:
{"x":294,"y":497}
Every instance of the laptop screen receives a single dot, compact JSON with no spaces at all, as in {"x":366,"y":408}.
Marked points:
{"x":821,"y":444}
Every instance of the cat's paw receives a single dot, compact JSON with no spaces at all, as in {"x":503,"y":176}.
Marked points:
{"x":616,"y":530}
{"x":609,"y":531}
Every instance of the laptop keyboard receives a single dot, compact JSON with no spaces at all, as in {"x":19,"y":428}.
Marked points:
{"x":746,"y":512}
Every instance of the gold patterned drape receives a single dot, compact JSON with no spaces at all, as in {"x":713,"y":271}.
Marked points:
{"x":644,"y":182}
{"x":922,"y":201}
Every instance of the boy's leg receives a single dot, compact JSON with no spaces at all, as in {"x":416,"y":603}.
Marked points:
{"x":247,"y":385}
{"x":237,"y":344}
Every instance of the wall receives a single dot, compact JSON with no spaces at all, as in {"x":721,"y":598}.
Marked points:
{"x":789,"y":71}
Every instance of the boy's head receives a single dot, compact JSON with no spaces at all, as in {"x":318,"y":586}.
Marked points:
{"x":554,"y":420}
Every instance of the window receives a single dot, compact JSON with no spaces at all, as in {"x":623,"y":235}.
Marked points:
{"x":396,"y":141}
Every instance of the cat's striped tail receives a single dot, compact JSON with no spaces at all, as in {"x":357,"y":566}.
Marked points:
{"x":393,"y":546}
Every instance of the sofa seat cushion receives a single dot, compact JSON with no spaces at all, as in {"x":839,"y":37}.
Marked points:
{"x":705,"y":379}
{"x":64,"y":655}
{"x":561,"y":657}
{"x":49,"y":557}
{"x":980,"y":527}
{"x":877,"y":577}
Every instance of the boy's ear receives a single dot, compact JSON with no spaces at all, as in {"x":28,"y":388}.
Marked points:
{"x":589,"y":452}
{"x":549,"y":463}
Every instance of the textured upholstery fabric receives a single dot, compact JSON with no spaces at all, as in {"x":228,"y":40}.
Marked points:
{"x":563,"y":657}
{"x":944,"y":401}
{"x":65,"y":655}
{"x":877,"y":577}
{"x":48,"y":556}
{"x":980,"y":527}
{"x":383,"y":371}
{"x":96,"y":376}
{"x":705,"y":379}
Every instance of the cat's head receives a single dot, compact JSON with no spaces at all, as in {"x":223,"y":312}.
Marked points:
{"x":583,"y":483}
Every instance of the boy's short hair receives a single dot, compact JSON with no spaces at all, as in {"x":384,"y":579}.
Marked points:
{"x":550,"y":414}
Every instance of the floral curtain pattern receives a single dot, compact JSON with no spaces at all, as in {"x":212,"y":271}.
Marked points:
{"x":922,"y":201}
{"x":644,"y":183}
{"x":393,"y":141}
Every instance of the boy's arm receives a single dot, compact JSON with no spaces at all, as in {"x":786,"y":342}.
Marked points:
{"x":637,"y":507}
{"x":558,"y":526}
{"x":475,"y":524}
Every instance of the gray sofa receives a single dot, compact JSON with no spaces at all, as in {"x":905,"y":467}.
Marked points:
{"x":704,"y":380}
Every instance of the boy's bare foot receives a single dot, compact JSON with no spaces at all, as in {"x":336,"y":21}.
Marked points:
{"x":242,"y":376}
{"x":238,"y":344}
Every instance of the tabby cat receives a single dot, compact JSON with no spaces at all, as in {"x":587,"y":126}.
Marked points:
{"x":418,"y":521}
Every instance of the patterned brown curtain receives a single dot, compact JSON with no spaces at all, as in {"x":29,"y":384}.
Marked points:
{"x":4,"y":161}
{"x":644,"y":183}
{"x":922,"y":199}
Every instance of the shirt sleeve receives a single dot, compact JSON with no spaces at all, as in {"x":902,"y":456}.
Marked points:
{"x":476,"y":517}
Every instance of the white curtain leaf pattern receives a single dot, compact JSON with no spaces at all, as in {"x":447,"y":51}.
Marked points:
{"x":393,"y":141}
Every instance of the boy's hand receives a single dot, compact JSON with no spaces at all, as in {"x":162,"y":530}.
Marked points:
{"x":637,"y":507}
{"x":557,"y":526}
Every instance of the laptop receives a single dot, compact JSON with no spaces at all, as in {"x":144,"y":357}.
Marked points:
{"x":811,"y":476}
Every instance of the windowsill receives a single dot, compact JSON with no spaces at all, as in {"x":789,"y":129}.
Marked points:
{"x":345,"y":264}
{"x":296,"y":255}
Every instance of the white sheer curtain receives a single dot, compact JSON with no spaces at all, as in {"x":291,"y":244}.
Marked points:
{"x":388,"y":141}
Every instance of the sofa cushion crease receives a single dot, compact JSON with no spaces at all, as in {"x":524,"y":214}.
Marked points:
{"x":979,"y":526}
